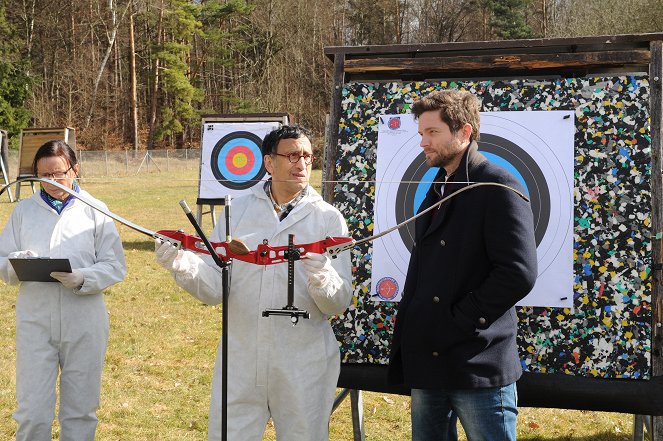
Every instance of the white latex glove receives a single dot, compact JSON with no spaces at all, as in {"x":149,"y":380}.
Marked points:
{"x":22,"y":254}
{"x":171,"y":258}
{"x":319,"y":269}
{"x":72,"y":280}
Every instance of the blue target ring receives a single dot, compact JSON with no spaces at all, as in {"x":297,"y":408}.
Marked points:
{"x":237,"y":161}
{"x":429,"y":176}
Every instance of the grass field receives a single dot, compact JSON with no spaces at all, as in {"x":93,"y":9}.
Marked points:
{"x":162,"y":345}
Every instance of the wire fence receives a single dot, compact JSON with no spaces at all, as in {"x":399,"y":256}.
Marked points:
{"x":113,"y":163}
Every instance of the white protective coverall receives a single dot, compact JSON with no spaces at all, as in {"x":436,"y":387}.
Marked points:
{"x":275,"y":369}
{"x":59,"y":328}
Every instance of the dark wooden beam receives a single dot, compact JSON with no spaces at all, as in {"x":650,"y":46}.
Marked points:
{"x":489,"y":62}
{"x":559,"y":391}
{"x":656,"y":116}
{"x":331,"y":147}
{"x":632,"y":40}
{"x":245,"y":116}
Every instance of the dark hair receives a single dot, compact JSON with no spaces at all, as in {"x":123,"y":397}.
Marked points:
{"x":456,"y":107}
{"x":272,"y":139}
{"x":55,"y":148}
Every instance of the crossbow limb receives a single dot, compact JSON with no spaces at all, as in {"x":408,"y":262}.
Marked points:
{"x":334,"y":250}
{"x":263,"y":255}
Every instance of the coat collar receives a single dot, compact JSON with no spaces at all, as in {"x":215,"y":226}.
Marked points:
{"x":462,"y":178}
{"x":259,"y":192}
{"x":471,"y":159}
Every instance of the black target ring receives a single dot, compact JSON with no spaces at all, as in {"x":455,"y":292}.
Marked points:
{"x":236,"y":160}
{"x":491,"y":144}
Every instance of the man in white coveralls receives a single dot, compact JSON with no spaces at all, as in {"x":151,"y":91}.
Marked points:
{"x":275,"y":369}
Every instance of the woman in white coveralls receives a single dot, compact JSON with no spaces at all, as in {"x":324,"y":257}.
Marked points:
{"x":274,"y":368}
{"x":60,"y":327}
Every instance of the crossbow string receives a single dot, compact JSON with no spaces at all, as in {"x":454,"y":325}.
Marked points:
{"x":264,"y":254}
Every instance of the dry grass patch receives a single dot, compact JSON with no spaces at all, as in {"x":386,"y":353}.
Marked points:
{"x":158,"y":371}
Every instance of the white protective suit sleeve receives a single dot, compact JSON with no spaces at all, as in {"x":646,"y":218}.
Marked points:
{"x":330,"y":286}
{"x":101,"y":267}
{"x":110,"y":266}
{"x":8,"y":248}
{"x":202,"y":278}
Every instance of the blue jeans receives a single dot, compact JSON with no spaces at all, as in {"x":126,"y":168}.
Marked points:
{"x":485,"y":414}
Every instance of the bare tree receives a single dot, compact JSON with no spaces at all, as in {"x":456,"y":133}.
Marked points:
{"x":111,"y":34}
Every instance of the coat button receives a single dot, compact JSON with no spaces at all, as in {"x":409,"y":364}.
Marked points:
{"x":435,"y":354}
{"x":414,"y":244}
{"x":442,"y":242}
{"x":482,"y":321}
{"x":436,"y":299}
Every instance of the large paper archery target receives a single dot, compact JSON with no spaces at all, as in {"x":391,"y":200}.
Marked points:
{"x":404,"y":178}
{"x":237,"y":160}
{"x":231,"y":162}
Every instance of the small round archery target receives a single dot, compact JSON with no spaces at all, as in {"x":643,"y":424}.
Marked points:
{"x":237,"y":160}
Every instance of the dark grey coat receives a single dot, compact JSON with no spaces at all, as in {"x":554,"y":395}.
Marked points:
{"x":456,"y":323}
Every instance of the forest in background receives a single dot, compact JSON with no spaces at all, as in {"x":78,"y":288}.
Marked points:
{"x":139,"y":73}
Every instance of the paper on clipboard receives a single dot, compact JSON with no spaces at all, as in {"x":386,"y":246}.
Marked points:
{"x":38,"y":269}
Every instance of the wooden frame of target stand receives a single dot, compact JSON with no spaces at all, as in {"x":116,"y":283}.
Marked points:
{"x":4,"y":162}
{"x":212,"y":203}
{"x":30,"y":141}
{"x":512,"y":59}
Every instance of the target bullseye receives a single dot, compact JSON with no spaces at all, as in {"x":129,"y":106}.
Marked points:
{"x":237,"y":160}
{"x":240,"y":160}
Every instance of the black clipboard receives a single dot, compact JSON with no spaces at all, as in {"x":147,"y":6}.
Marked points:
{"x":38,"y":269}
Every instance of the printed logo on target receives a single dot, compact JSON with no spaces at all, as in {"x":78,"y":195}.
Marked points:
{"x":394,"y":123}
{"x":387,"y":288}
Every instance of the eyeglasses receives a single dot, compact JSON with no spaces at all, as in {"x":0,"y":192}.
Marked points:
{"x":295,"y":157}
{"x":56,"y":175}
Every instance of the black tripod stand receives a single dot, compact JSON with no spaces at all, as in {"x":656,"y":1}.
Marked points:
{"x":225,"y":286}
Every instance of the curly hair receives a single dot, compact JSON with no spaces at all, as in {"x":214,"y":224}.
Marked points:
{"x":456,"y":107}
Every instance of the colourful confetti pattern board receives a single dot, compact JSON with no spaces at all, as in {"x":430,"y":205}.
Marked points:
{"x":608,"y":332}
